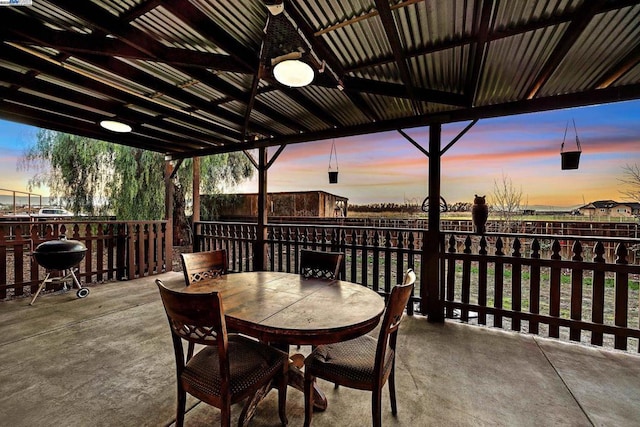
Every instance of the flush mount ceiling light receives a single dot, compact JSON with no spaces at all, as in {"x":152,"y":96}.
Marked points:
{"x":115,"y":126}
{"x":293,"y":73}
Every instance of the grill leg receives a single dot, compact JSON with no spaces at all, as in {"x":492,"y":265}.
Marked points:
{"x":82,"y":292}
{"x":44,"y":282}
{"x":75,"y":279}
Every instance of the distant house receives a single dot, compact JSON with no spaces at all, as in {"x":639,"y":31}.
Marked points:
{"x":628,"y":209}
{"x":610,"y":208}
{"x":293,"y":204}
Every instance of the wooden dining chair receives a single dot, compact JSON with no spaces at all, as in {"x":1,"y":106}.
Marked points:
{"x":204,"y":265}
{"x":229,"y":368}
{"x":363,"y":363}
{"x":320,"y":264}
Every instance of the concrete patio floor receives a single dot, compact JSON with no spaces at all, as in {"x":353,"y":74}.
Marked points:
{"x":106,"y":360}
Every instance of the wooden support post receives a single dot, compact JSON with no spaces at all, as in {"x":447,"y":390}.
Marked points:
{"x":260,"y":254}
{"x":168,"y":215}
{"x":196,"y":191}
{"x":432,"y":304}
{"x":195,"y":218}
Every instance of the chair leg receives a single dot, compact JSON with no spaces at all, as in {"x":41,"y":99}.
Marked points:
{"x":308,"y":398}
{"x":392,"y":389}
{"x":282,"y":397}
{"x":190,"y":351}
{"x":182,"y":402}
{"x":225,"y":416}
{"x":376,"y":410}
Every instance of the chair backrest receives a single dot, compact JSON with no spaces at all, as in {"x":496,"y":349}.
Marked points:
{"x":396,"y":304}
{"x":196,"y":318}
{"x":204,"y":265}
{"x":319,"y":264}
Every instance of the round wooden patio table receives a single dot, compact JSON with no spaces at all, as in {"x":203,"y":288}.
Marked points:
{"x":285,"y":308}
{"x":289,"y":309}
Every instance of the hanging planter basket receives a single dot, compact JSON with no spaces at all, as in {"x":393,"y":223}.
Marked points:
{"x":570,"y":159}
{"x":333,"y":173}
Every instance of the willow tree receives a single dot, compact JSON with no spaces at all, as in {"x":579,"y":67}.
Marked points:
{"x":74,"y":168}
{"x":217,"y":174}
{"x":101,"y":178}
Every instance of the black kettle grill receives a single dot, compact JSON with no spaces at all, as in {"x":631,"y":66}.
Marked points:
{"x":63,"y":255}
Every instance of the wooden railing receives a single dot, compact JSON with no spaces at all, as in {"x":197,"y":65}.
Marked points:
{"x":545,"y":285}
{"x":374,"y":257}
{"x":626,"y":227}
{"x":115,"y":250}
{"x":572,"y":287}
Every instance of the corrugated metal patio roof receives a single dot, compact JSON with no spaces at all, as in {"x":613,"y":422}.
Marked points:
{"x":194,"y":77}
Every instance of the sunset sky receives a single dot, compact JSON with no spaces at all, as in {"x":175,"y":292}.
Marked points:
{"x":385,"y":167}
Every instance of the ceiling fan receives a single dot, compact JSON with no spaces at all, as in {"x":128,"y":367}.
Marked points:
{"x":287,"y":55}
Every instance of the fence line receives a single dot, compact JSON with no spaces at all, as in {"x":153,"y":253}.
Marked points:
{"x":527,"y":283}
{"x":374,"y":257}
{"x":116,"y":250}
{"x":581,"y":287}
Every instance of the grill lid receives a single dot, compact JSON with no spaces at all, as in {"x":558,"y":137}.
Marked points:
{"x":59,"y":254}
{"x":61,"y":245}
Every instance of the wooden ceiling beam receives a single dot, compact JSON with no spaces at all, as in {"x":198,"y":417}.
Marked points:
{"x":579,"y":22}
{"x":64,"y":123}
{"x":186,"y":11}
{"x":107,"y":23}
{"x":90,"y":119}
{"x":598,"y":96}
{"x":558,"y":18}
{"x":252,"y":100}
{"x":318,"y":45}
{"x":554,"y":102}
{"x":239,"y":95}
{"x":391,"y":31}
{"x":427,"y":49}
{"x":493,"y":35}
{"x":33,"y":32}
{"x":630,"y":61}
{"x":109,"y":108}
{"x":324,"y":53}
{"x":29,"y":32}
{"x":483,"y":11}
{"x":176,"y":108}
{"x":140,"y":9}
{"x":308,"y":104}
{"x":363,"y":17}
{"x":399,"y":91}
{"x":157,"y":85}
{"x":47,"y":68}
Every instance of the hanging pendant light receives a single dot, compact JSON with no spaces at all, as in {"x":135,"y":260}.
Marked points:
{"x":290,"y":70}
{"x":293,"y":73}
